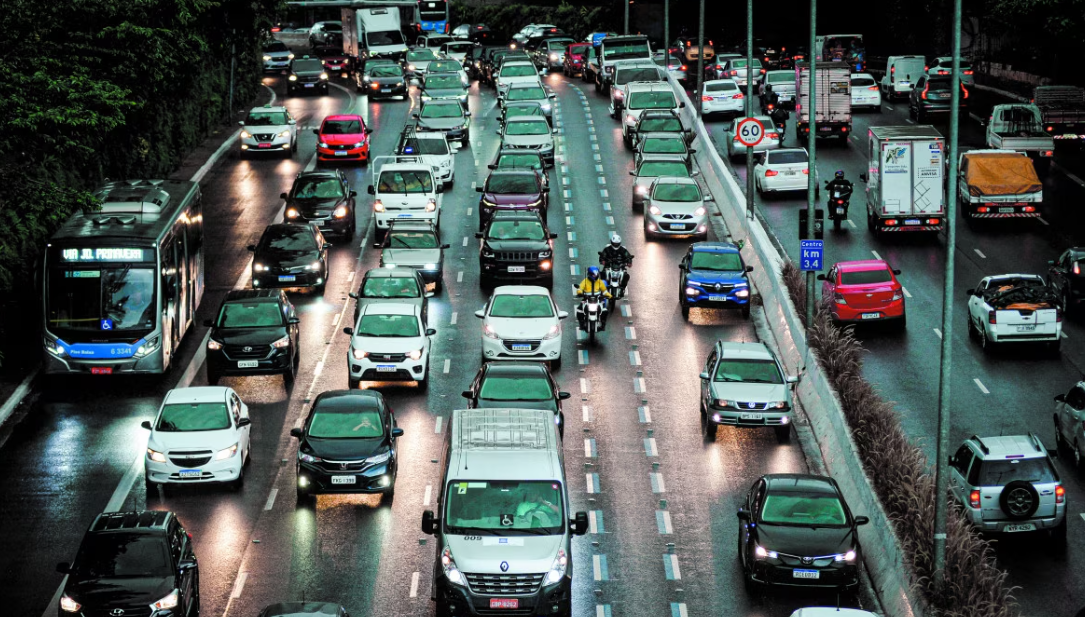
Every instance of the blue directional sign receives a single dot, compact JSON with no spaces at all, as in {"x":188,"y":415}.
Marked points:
{"x":811,"y":255}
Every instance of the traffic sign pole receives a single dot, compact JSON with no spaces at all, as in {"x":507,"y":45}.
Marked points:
{"x":750,"y":190}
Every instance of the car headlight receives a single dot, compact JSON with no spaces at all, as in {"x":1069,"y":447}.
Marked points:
{"x":415,"y":354}
{"x":699,"y":211}
{"x":722,"y":402}
{"x":359,"y":354}
{"x":429,"y":267}
{"x":54,"y":347}
{"x":399,"y":83}
{"x":259,"y":267}
{"x":359,"y":144}
{"x":322,"y":144}
{"x":282,"y":343}
{"x":381,"y":457}
{"x":742,"y":293}
{"x":378,"y":206}
{"x":290,"y":57}
{"x":314,"y":266}
{"x":410,"y":67}
{"x":69,"y":605}
{"x":293,"y":78}
{"x":308,"y":458}
{"x":448,"y":565}
{"x":630,"y":120}
{"x":245,"y":134}
{"x":389,"y":265}
{"x":488,"y":203}
{"x":487,"y":253}
{"x":553,"y":333}
{"x":641,"y":190}
{"x":692,"y":291}
{"x":148,"y":346}
{"x":323,"y":75}
{"x":544,"y":255}
{"x":618,"y":94}
{"x":776,"y":405}
{"x":761,"y":552}
{"x":545,"y":106}
{"x":340,"y":212}
{"x":554,"y":57}
{"x":557,"y":571}
{"x":266,"y":58}
{"x":226,"y":453}
{"x":156,"y":456}
{"x":848,"y":556}
{"x":284,"y":134}
{"x":292,"y":213}
{"x":431,"y":205}
{"x":489,"y":332}
{"x":213,"y":345}
{"x":655,"y":210}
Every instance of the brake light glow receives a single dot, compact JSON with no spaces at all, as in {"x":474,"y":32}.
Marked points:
{"x":733,"y":73}
{"x":806,"y":172}
{"x":872,"y":88}
{"x":1060,"y":494}
{"x":1047,"y":153}
{"x":968,"y":72}
{"x":974,"y":499}
{"x":738,"y":96}
{"x":1077,"y":268}
{"x":934,"y":221}
{"x":1050,"y":128}
{"x":924,"y":94}
{"x":965,"y":90}
{"x":992,"y":317}
{"x":772,"y":135}
{"x":891,"y":222}
{"x":941,"y":72}
{"x":892,"y":71}
{"x":683,"y":67}
{"x":1030,"y":208}
{"x":983,"y":209}
{"x":771,"y":172}
{"x":706,"y":98}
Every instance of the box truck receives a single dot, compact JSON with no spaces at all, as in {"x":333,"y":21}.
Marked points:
{"x":904,"y":189}
{"x":833,"y":113}
{"x":372,"y":32}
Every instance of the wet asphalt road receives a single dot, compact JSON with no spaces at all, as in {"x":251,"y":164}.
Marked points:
{"x":1007,"y":392}
{"x":660,"y":544}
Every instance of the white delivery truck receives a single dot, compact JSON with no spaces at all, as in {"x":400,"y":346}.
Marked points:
{"x":901,"y":73}
{"x":998,"y":184}
{"x":833,"y":113}
{"x":904,"y":188}
{"x":502,"y":524}
{"x":372,"y":32}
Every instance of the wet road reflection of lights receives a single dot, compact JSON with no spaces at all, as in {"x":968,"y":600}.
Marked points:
{"x":328,"y":503}
{"x":382,"y":385}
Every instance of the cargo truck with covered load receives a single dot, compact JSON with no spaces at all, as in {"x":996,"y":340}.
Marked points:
{"x":1062,"y":109}
{"x":833,"y":93}
{"x":998,"y":184}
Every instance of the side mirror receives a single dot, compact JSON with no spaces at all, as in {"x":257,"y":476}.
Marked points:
{"x":429,"y":523}
{"x":445,"y":246}
{"x":681,"y":105}
{"x":579,"y":526}
{"x":466,"y":394}
{"x":553,"y":236}
{"x":633,"y":172}
{"x":316,"y":131}
{"x":897,"y":272}
{"x":415,"y":115}
{"x":862,"y":177}
{"x":291,"y":121}
{"x":397,"y":432}
{"x":377,"y":245}
{"x":431,"y":331}
{"x":479,"y":235}
{"x":354,"y":193}
{"x":348,"y":331}
{"x":792,"y":379}
{"x":821,"y":277}
{"x":861,"y":520}
{"x":368,"y":130}
{"x":441,"y":188}
{"x":296,"y":432}
{"x":743,"y":514}
{"x":251,"y":248}
{"x":693,"y":151}
{"x":243,"y":422}
{"x":481,"y":314}
{"x":952,"y":459}
{"x":969,"y":292}
{"x":492,"y":166}
{"x":704,"y":375}
{"x":554,"y":132}
{"x":546,"y":189}
{"x":369,"y":189}
{"x":708,"y":199}
{"x":1059,"y":398}
{"x":429,"y":294}
{"x":293,"y":320}
{"x":147,"y":423}
{"x":479,"y":189}
{"x":552,"y":96}
{"x":563,"y":314}
{"x":64,"y":567}
{"x":240,"y":123}
{"x":282,"y":195}
{"x":695,"y":172}
{"x":209,"y":323}
{"x":563,"y":396}
{"x":467,"y":114}
{"x":749,"y":268}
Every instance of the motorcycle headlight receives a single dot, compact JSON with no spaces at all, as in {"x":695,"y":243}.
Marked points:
{"x":213,"y":345}
{"x":284,"y":134}
{"x":148,"y":346}
{"x":340,"y":212}
{"x":448,"y":565}
{"x":700,"y":211}
{"x":489,"y":332}
{"x":282,"y":343}
{"x":553,"y":333}
{"x":226,"y":453}
{"x":415,"y":354}
{"x":557,"y":571}
{"x":69,"y":605}
{"x":293,"y":78}
{"x":655,"y":210}
{"x":292,"y":213}
{"x":359,"y":354}
{"x":156,"y":456}
{"x":245,"y":134}
{"x":308,"y":458}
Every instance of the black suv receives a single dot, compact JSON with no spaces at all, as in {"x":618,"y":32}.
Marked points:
{"x":255,"y":333}
{"x":324,"y":199}
{"x":1067,"y":275}
{"x":135,"y":564}
{"x":516,"y":248}
{"x":306,"y":75}
{"x":290,"y":256}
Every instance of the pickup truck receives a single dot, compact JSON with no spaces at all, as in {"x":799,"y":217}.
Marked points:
{"x":1017,"y":126}
{"x":997,"y":184}
{"x":1062,"y":109}
{"x":1011,"y":308}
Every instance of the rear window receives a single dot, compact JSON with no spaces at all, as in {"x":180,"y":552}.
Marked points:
{"x":428,"y":145}
{"x":661,"y":145}
{"x":865,"y":277}
{"x":518,"y":70}
{"x":666,"y":125}
{"x":520,"y":160}
{"x":861,"y":82}
{"x":528,"y":127}
{"x":787,"y":157}
{"x":654,"y":169}
{"x":391,"y":287}
{"x":1000,"y":473}
{"x":625,"y":76}
{"x":780,"y":78}
{"x":412,"y":240}
{"x":421,"y":54}
{"x":938,"y":84}
{"x":721,"y":86}
{"x":677,"y":192}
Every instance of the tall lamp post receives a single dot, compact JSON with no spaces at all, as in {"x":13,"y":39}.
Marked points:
{"x":700,"y":57}
{"x":626,"y":29}
{"x":811,"y":145}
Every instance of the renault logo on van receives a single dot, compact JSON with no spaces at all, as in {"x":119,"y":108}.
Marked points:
{"x":504,"y":566}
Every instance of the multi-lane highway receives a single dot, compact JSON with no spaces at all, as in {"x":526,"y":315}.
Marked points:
{"x":1007,"y":392}
{"x":662,"y":501}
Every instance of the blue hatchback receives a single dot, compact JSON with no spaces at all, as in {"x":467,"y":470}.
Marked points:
{"x":714,"y":276}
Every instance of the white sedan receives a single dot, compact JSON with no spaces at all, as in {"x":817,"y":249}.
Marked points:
{"x":722,"y":96}
{"x":785,"y":169}
{"x":520,"y":322}
{"x":865,"y":92}
{"x":199,"y":435}
{"x":770,"y":141}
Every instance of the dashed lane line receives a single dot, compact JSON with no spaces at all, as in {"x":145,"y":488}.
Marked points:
{"x":428,"y":495}
{"x":271,"y":499}
{"x":876,"y":255}
{"x":979,"y":384}
{"x":595,"y":521}
{"x":459,"y":276}
{"x":455,"y":315}
{"x":586,"y":412}
{"x":658,"y":486}
{"x":630,"y":333}
{"x":589,"y":448}
{"x":670,"y":567}
{"x":634,"y":358}
{"x":678,"y":609}
{"x":639,"y":386}
{"x":582,"y":356}
{"x":938,"y":332}
{"x":448,"y":365}
{"x":980,"y":253}
{"x":650,"y":447}
{"x":437,"y":425}
{"x":239,"y":585}
{"x":905,"y":290}
{"x":644,"y":414}
{"x":663,"y":521}
{"x":414,"y":585}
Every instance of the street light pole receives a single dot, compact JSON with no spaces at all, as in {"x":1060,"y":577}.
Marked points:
{"x":667,"y":32}
{"x":941,"y":481}
{"x":626,"y":30}
{"x":811,"y":141}
{"x":749,"y":108}
{"x":700,"y":59}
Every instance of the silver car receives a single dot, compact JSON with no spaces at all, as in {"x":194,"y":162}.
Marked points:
{"x":414,"y":244}
{"x":648,"y":170}
{"x":744,"y":384}
{"x":531,"y":93}
{"x":392,"y":285}
{"x":661,"y":145}
{"x":675,"y":207}
{"x":277,"y":56}
{"x":1070,"y":423}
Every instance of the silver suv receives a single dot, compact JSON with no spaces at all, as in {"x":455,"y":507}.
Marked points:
{"x":744,"y":384}
{"x":1008,"y":484}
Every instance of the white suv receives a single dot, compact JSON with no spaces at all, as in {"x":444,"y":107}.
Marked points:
{"x":404,"y":187}
{"x":640,"y":96}
{"x":389,"y":343}
{"x":269,"y":129}
{"x":521,"y":322}
{"x":1008,"y":485}
{"x":199,"y":435}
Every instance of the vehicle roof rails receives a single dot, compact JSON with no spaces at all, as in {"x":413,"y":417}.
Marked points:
{"x":983,"y":446}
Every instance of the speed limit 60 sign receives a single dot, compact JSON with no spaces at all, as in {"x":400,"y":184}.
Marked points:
{"x":750,"y":131}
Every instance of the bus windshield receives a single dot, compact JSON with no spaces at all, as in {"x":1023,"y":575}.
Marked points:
{"x":101,"y":299}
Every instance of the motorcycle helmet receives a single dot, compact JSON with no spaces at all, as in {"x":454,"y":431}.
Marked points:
{"x":840,"y":174}
{"x":593,"y":273}
{"x":615,"y":241}
{"x":768,"y":88}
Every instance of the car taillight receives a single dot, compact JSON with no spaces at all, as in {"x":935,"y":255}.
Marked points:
{"x":992,"y":317}
{"x":872,"y":88}
{"x":843,"y":129}
{"x":923,"y":95}
{"x":968,"y":72}
{"x":1060,"y":494}
{"x":892,"y":71}
{"x":1050,"y":128}
{"x":772,"y":135}
{"x":965,"y":90}
{"x":706,"y":98}
{"x":926,"y":68}
{"x":682,"y":68}
{"x":940,"y":72}
{"x":733,"y":73}
{"x":974,"y":499}
{"x":1029,"y":209}
{"x":770,"y":173}
{"x":762,"y":71}
{"x":806,"y":171}
{"x":839,"y":298}
{"x":738,"y":96}
{"x":1058,"y":315}
{"x":933,"y":221}
{"x":1077,"y":268}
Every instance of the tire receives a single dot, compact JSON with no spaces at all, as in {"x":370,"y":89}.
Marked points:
{"x":239,"y":483}
{"x":985,"y":343}
{"x":1060,"y":444}
{"x":746,"y":311}
{"x":389,"y":496}
{"x":710,"y":430}
{"x":288,"y":377}
{"x":353,"y":383}
{"x":150,"y":487}
{"x":902,"y":324}
{"x":1019,"y":500}
{"x":1079,"y":461}
{"x":685,"y":310}
{"x":555,"y":364}
{"x":304,"y":498}
{"x":212,"y":377}
{"x":423,"y":384}
{"x":783,"y":433}
{"x":837,"y":223}
{"x":484,"y":282}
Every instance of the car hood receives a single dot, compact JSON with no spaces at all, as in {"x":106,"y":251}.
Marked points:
{"x":749,"y":392}
{"x":805,"y":541}
{"x":512,"y":199}
{"x":344,"y":449}
{"x":527,"y":140}
{"x":519,"y":79}
{"x":315,"y":206}
{"x":266,"y":128}
{"x":348,"y":139}
{"x":677,"y":207}
{"x":252,"y":337}
{"x":442,"y":123}
{"x":165,"y":441}
{"x":309,"y":73}
{"x":707,"y":277}
{"x":278,"y":55}
{"x":521,"y":328}
{"x":389,"y":344}
{"x":549,"y":404}
{"x":120,"y":593}
{"x":286,"y":260}
{"x":518,"y":245}
{"x":504,"y":555}
{"x":410,"y":257}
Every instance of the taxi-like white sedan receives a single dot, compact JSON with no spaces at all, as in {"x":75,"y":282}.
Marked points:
{"x":520,"y":322}
{"x":865,"y":92}
{"x":785,"y":169}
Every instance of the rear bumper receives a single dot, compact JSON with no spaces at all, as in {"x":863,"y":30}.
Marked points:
{"x":1043,"y":333}
{"x":891,"y":311}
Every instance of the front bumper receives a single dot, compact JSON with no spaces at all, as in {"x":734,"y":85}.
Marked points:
{"x":541,"y":350}
{"x":318,"y":86}
{"x":277,"y":144}
{"x":541,"y":271}
{"x":553,"y":599}
{"x":697,"y":225}
{"x":370,"y":370}
{"x":749,"y":418}
{"x":831,"y":576}
{"x":343,"y":153}
{"x":276,"y":65}
{"x":705,"y":298}
{"x":66,"y":365}
{"x":329,"y":225}
{"x":292,"y":280}
{"x":890,"y":311}
{"x":316,"y":478}
{"x":379,"y":89}
{"x":273,"y":363}
{"x":212,"y":471}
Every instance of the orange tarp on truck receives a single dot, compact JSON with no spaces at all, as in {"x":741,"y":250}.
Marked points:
{"x":1001,"y":174}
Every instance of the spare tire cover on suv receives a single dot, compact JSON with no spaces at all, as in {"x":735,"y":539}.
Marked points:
{"x":1019,"y":500}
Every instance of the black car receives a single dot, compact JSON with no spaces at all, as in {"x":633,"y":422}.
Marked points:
{"x":931,"y":95}
{"x":324,"y":199}
{"x":304,"y":609}
{"x":491,"y":62}
{"x":661,"y":121}
{"x":347,"y":445}
{"x":133,"y":563}
{"x":306,"y":75}
{"x":255,"y":333}
{"x":290,"y":256}
{"x":796,"y":529}
{"x":381,"y":80}
{"x":1067,"y":275}
{"x":516,"y":249}
{"x":480,"y":34}
{"x":524,"y":385}
{"x":473,"y":60}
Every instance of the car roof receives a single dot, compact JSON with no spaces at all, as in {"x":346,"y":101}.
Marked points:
{"x":999,"y":277}
{"x":514,"y":368}
{"x":782,"y":150}
{"x":517,"y":215}
{"x":521,"y":290}
{"x":674,"y":180}
{"x":664,"y":158}
{"x":1007,"y":446}
{"x":786,"y":482}
{"x":647,"y":86}
{"x":648,"y":113}
{"x":726,"y":81}
{"x":745,"y":351}
{"x":1076,"y":251}
{"x":827,"y":611}
{"x":862,"y":265}
{"x":343,"y":398}
{"x":522,"y":85}
{"x":661,"y":135}
{"x":345,"y":117}
{"x":198,"y":394}
{"x":390,"y":308}
{"x":302,"y":609}
{"x":868,"y":75}
{"x":512,"y":171}
{"x":131,"y":522}
{"x":250,"y":295}
{"x":714,"y":247}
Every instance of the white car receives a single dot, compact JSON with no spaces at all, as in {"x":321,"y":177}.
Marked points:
{"x":389,"y":342}
{"x":457,"y":50}
{"x":944,"y":66}
{"x":628,"y":72}
{"x":865,"y":92}
{"x":784,"y":169}
{"x":645,"y":95}
{"x":521,"y":322}
{"x":1015,"y":308}
{"x":269,"y":129}
{"x":408,"y":190}
{"x":200,"y":435}
{"x":516,"y":73}
{"x":825,"y":611}
{"x":675,"y":207}
{"x":770,"y":141}
{"x":722,"y":96}
{"x":783,"y":84}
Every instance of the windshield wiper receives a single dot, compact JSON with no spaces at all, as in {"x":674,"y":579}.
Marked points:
{"x":464,"y":531}
{"x":537,"y":531}
{"x":761,"y":381}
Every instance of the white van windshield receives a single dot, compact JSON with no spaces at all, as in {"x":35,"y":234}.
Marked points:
{"x":505,"y":508}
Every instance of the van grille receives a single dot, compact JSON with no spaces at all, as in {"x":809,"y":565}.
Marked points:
{"x":504,"y":584}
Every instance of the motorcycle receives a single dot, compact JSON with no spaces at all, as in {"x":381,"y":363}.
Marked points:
{"x":590,"y":313}
{"x":613,"y":274}
{"x":839,"y":200}
{"x":779,"y":117}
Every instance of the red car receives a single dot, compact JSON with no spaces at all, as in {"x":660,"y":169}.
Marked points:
{"x":575,"y":57}
{"x":862,"y":291}
{"x":336,"y":63}
{"x":343,"y":137}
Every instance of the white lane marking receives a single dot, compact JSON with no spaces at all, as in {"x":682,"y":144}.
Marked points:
{"x":657,"y":483}
{"x":473,"y":186}
{"x":665,"y":526}
{"x":852,"y":223}
{"x":428,"y":495}
{"x":20,"y":393}
{"x":459,"y":276}
{"x":271,"y":499}
{"x":582,"y":356}
{"x":586,"y":409}
{"x":319,"y":369}
{"x":469,"y":211}
{"x":645,"y":414}
{"x":630,"y":333}
{"x":414,"y":585}
{"x":437,"y":427}
{"x":1041,"y":219}
{"x":909,"y":121}
{"x":639,"y":386}
{"x":979,"y":384}
{"x":455,"y":315}
{"x":448,"y":366}
{"x":120,"y":494}
{"x":230,"y":141}
{"x":1064,"y":334}
{"x":889,"y":107}
{"x":627,"y":311}
{"x":350,"y":276}
{"x":1067,"y":173}
{"x":593,"y":525}
{"x":465,"y":240}
{"x":239,"y":585}
{"x":585,"y":387}
{"x":676,"y":572}
{"x":980,"y":253}
{"x":902,"y":288}
{"x":938,"y":332}
{"x":650,"y":448}
{"x":596,"y":567}
{"x":589,"y":481}
{"x":634,"y":358}
{"x":876,"y":255}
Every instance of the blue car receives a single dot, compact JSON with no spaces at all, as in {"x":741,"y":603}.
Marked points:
{"x":714,"y":276}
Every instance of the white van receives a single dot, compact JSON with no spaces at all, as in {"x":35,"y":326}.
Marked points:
{"x":404,"y":187}
{"x":502,"y":525}
{"x":901,"y":73}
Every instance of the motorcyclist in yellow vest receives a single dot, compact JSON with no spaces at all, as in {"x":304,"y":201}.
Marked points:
{"x":593,"y":283}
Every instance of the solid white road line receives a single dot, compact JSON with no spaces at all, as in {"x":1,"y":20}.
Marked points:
{"x":17,"y":397}
{"x":979,"y":384}
{"x":414,"y":585}
{"x":437,"y":426}
{"x":120,"y":494}
{"x":1067,"y":173}
{"x":271,"y":499}
{"x":239,"y":585}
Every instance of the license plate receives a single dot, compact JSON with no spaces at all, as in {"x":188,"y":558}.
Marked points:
{"x":811,"y":574}
{"x":340,"y":153}
{"x":248,"y":363}
{"x":1005,"y":209}
{"x":1031,"y":328}
{"x":404,"y":216}
{"x":335,"y":68}
{"x":505,"y":603}
{"x":825,"y":129}
{"x":309,"y":85}
{"x":717,"y":298}
{"x":386,"y":89}
{"x":839,"y":210}
{"x":905,"y":83}
{"x":518,"y":269}
{"x":678,"y":227}
{"x":189,"y":473}
{"x":1020,"y":527}
{"x":870,"y":315}
{"x":344,"y":479}
{"x":789,"y":172}
{"x":287,"y":278}
{"x":386,"y":368}
{"x":521,"y":347}
{"x":912,"y":221}
{"x":321,"y":223}
{"x":263,"y":145}
{"x":101,"y":370}
{"x":752,"y":416}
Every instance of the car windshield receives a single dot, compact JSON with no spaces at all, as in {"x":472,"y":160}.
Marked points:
{"x":179,"y":417}
{"x":435,"y":146}
{"x":386,"y":71}
{"x":331,"y":26}
{"x":308,"y":66}
{"x":663,"y":145}
{"x":526,"y":94}
{"x":266,"y":118}
{"x":625,"y":76}
{"x":122,"y":555}
{"x":421,"y":54}
{"x":521,"y":306}
{"x":804,"y":509}
{"x":507,"y":184}
{"x":938,"y":84}
{"x":865,"y":277}
{"x":1002,"y":472}
{"x":436,"y":41}
{"x":344,"y":424}
{"x":637,"y":49}
{"x":518,"y":70}
{"x":287,"y":239}
{"x":444,"y":66}
{"x":516,"y":230}
{"x":787,"y":157}
{"x":862,"y":82}
{"x":459,"y":48}
{"x":95,"y":300}
{"x":391,"y":287}
{"x":390,"y":326}
{"x":317,"y":188}
{"x":558,"y":44}
{"x":386,"y":37}
{"x":677,"y":192}
{"x":652,"y":100}
{"x":412,"y":240}
{"x":442,"y":110}
{"x":520,"y":160}
{"x":528,"y":127}
{"x":342,"y":127}
{"x":748,"y":371}
{"x":276,"y":46}
{"x":780,"y":78}
{"x":444,"y":82}
{"x":670,"y":124}
{"x":654,"y":169}
{"x":718,"y":262}
{"x":526,"y":388}
{"x":250,"y":315}
{"x":578,"y":49}
{"x":406,"y":181}
{"x":505,"y":508}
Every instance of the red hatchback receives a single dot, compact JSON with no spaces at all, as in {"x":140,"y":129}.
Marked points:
{"x":343,"y":137}
{"x":575,"y":57}
{"x":864,"y":291}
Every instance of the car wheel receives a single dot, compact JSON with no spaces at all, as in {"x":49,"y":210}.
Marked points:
{"x":151,"y":487}
{"x":746,"y":311}
{"x":685,"y":309}
{"x":423,"y":383}
{"x":484,"y":282}
{"x":353,"y":383}
{"x":902,"y":325}
{"x":389,"y":495}
{"x":239,"y":483}
{"x":288,"y":377}
{"x":555,"y":364}
{"x":1077,"y":459}
{"x":305,"y":499}
{"x":985,"y":342}
{"x":710,"y":428}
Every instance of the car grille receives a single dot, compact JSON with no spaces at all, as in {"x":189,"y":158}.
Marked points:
{"x":796,"y":561}
{"x":533,"y":344}
{"x":678,"y":217}
{"x":718,"y":288}
{"x":387,"y":357}
{"x":190,"y":459}
{"x":334,"y":466}
{"x":503,"y":584}
{"x":517,"y":255}
{"x":752,"y":406}
{"x":242,"y":352}
{"x":339,"y":147}
{"x":265,"y":137}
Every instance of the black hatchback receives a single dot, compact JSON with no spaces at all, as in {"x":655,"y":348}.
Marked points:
{"x":347,"y":445}
{"x":524,"y":385}
{"x":324,"y":199}
{"x":290,"y":256}
{"x":255,"y":333}
{"x":1067,"y":275}
{"x":932,"y":95}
